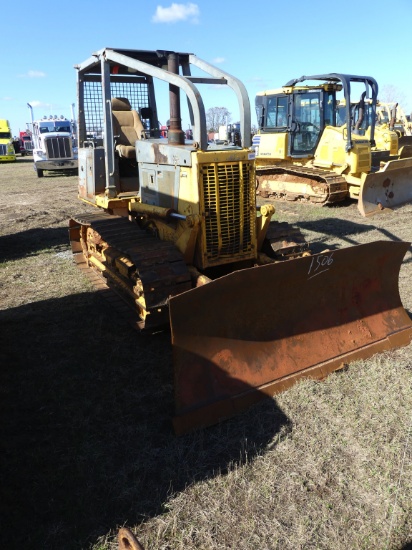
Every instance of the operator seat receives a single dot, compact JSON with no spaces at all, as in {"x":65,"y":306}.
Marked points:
{"x":127,"y":127}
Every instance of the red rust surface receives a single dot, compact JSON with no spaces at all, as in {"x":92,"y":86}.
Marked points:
{"x":255,"y":331}
{"x":388,"y":188}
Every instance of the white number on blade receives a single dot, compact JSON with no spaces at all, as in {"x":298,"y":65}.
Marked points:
{"x":320,"y":264}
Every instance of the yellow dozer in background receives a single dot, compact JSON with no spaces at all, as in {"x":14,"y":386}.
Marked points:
{"x":175,"y":231}
{"x":390,"y":117}
{"x":394,"y":116}
{"x":306,"y":152}
{"x":388,"y":140}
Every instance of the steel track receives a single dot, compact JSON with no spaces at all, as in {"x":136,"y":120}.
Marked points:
{"x":335,"y":186}
{"x":150,"y":270}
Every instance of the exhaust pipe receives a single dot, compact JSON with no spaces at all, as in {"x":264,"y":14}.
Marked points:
{"x":175,"y":133}
{"x":392,"y":121}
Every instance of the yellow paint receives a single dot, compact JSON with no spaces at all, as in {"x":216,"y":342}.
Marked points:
{"x":6,"y":139}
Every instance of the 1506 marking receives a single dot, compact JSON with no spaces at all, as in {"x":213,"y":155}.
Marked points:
{"x":320,"y":264}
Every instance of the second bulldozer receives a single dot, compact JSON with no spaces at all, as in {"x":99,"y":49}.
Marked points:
{"x":393,"y":115}
{"x":391,"y":119}
{"x":305,"y":151}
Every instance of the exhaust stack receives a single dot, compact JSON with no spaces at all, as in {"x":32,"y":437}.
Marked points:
{"x":175,"y":133}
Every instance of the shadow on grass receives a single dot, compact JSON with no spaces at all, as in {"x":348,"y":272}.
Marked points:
{"x":59,"y":173}
{"x":87,"y":442}
{"x":32,"y":241}
{"x":20,"y":159}
{"x":345,"y":230}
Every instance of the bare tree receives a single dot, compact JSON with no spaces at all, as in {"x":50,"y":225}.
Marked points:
{"x":392,"y":94}
{"x":215,"y":117}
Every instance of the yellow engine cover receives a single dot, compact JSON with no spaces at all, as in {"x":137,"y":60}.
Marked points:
{"x":272,"y":146}
{"x":386,"y":140}
{"x":331,"y":154}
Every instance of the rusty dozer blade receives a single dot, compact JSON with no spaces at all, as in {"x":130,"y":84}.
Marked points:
{"x":388,"y":188}
{"x":405,"y":147}
{"x":253,"y":333}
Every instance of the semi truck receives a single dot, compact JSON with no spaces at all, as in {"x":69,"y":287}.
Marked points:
{"x":54,"y":143}
{"x":26,"y":143}
{"x":7,"y":152}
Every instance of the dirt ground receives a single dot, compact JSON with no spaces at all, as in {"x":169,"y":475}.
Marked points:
{"x":86,"y":402}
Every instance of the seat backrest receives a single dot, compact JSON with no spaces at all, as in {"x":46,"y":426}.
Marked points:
{"x":126,"y":122}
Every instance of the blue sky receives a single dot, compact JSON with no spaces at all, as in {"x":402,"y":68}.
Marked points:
{"x":264,"y":44}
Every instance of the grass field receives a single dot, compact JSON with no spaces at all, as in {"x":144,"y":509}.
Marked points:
{"x":87,"y":443}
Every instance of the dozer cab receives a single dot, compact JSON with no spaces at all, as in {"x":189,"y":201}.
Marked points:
{"x":177,"y":234}
{"x":305,"y":151}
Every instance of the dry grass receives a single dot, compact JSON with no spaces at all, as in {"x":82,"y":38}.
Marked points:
{"x":87,"y":444}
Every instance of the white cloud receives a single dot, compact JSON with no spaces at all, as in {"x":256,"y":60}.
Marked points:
{"x":33,"y":74}
{"x":6,"y":98}
{"x":36,"y":103}
{"x":36,"y":74}
{"x":219,"y":60}
{"x":177,"y":12}
{"x":259,"y":83}
{"x":48,"y":108}
{"x":257,"y":79}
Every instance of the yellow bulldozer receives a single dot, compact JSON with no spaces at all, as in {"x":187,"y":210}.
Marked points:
{"x":305,"y":151}
{"x":392,"y":114}
{"x":387,"y":137}
{"x":174,"y":230}
{"x":390,"y":118}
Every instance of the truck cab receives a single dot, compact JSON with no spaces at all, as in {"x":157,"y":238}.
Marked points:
{"x":54,"y":144}
{"x":7,"y":152}
{"x":26,"y":144}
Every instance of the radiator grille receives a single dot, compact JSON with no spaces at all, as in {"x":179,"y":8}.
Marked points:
{"x":364,"y":159}
{"x":3,"y":150}
{"x":227,"y":192}
{"x":27,"y":145}
{"x":59,"y":147}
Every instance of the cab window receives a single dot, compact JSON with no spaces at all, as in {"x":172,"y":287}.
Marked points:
{"x":277,"y":110}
